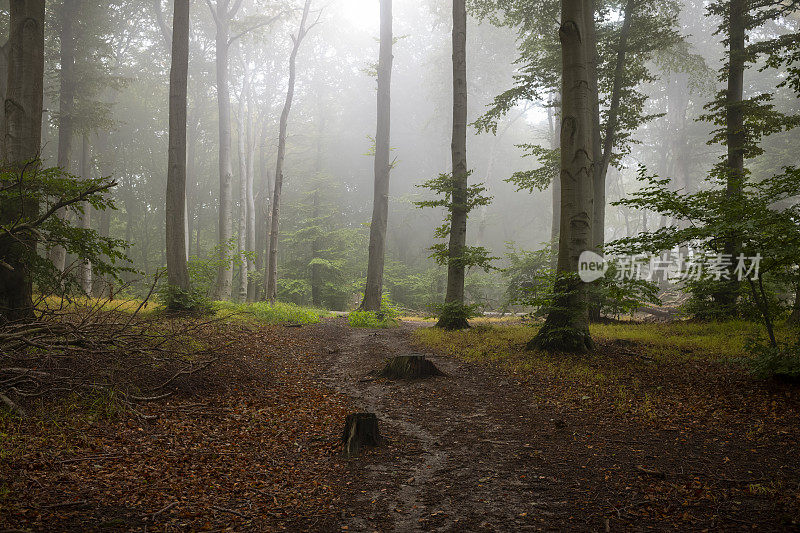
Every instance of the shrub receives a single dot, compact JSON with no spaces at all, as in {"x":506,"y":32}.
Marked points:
{"x":275,"y":313}
{"x":781,"y":361}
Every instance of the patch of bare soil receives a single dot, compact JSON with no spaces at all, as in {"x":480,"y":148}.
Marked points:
{"x":481,"y":449}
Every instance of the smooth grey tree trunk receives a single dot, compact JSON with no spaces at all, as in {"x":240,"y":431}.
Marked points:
{"x":383,"y":167}
{"x":66,"y":105}
{"x":222,"y":15}
{"x":251,"y":201}
{"x":243,"y":204}
{"x":554,"y":114}
{"x":272,"y":268}
{"x":567,"y":324}
{"x":454,"y":295}
{"x":20,"y":144}
{"x":177,"y":270}
{"x":85,"y":219}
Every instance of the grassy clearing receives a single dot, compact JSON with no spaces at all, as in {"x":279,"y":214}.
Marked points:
{"x":639,"y":378}
{"x":266,"y":313}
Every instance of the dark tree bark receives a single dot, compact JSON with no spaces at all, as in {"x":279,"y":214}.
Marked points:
{"x":177,"y":270}
{"x":380,"y":200}
{"x":458,"y":152}
{"x":66,"y":104}
{"x":20,"y":145}
{"x":728,"y":292}
{"x":272,"y":265}
{"x":360,"y":430}
{"x":567,"y":324}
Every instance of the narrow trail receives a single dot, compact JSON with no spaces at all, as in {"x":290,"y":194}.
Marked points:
{"x":484,"y":449}
{"x":470,"y":462}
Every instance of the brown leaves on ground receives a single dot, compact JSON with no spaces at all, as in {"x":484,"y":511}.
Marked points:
{"x":252,"y":443}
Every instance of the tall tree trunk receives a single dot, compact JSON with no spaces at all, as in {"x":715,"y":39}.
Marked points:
{"x":454,"y":296}
{"x":794,"y":318}
{"x":603,"y":157}
{"x":251,"y":201}
{"x":599,"y":184}
{"x":567,"y":324}
{"x":20,"y":144}
{"x":383,"y":166}
{"x":262,"y":221}
{"x":728,"y":291}
{"x":4,"y":49}
{"x":272,"y":268}
{"x":242,"y":231}
{"x":85,"y":220}
{"x":66,"y":105}
{"x":554,"y":116}
{"x":177,"y":270}
{"x":222,"y":16}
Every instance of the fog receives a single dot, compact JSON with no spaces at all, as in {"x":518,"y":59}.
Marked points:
{"x":122,"y":60}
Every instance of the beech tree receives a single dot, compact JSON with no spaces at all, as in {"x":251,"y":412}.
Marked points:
{"x":177,"y":271}
{"x":567,"y":325}
{"x":383,"y":166}
{"x":21,"y":141}
{"x":66,"y":103}
{"x":272,"y":260}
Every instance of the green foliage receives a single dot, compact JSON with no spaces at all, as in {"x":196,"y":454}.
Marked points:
{"x":531,"y":278}
{"x":52,"y":188}
{"x":384,"y":318}
{"x":781,"y":361}
{"x":323,"y":250}
{"x":268,"y":313}
{"x":539,"y":178}
{"x":194,"y":300}
{"x":455,"y":315}
{"x":470,"y":256}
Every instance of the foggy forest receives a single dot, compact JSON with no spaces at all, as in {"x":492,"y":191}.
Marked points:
{"x":399,"y":265}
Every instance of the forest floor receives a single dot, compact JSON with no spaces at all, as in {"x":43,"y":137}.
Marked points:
{"x":629,"y":438}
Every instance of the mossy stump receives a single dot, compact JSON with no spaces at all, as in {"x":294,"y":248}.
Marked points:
{"x":411,"y":366}
{"x":360,"y":430}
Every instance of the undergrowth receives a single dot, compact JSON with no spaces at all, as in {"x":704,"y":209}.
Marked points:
{"x":267,"y":313}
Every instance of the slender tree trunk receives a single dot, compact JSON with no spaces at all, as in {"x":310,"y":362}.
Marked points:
{"x":454,"y":295}
{"x":272,"y":268}
{"x":794,"y":318}
{"x":222,"y":16}
{"x":728,"y":292}
{"x":85,"y":221}
{"x":177,"y":270}
{"x":610,"y":132}
{"x":380,"y":200}
{"x":66,"y":105}
{"x":554,"y":114}
{"x":567,"y":324}
{"x":20,"y":144}
{"x":262,"y":221}
{"x":251,"y":201}
{"x":4,"y":49}
{"x":599,"y":184}
{"x":242,"y":233}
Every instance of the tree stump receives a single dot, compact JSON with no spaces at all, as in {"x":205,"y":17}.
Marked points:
{"x":412,"y":366}
{"x":360,"y":430}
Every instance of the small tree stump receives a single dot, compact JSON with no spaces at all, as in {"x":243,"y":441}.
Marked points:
{"x":412,"y":366}
{"x":360,"y":430}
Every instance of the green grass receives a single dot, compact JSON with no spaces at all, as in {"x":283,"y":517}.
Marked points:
{"x":369,"y":319}
{"x":267,"y":313}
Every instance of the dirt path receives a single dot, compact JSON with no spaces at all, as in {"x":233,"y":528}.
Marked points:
{"x":483,"y":450}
